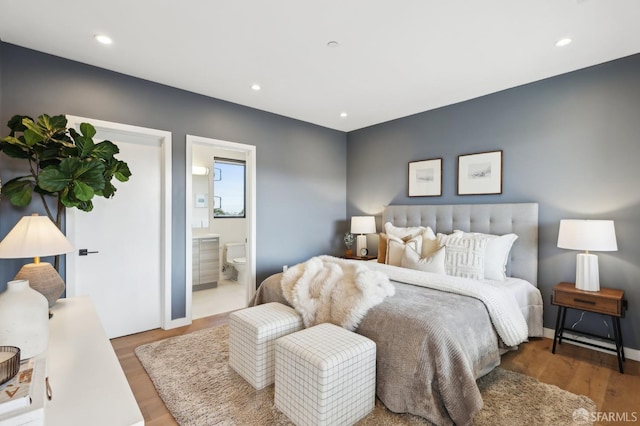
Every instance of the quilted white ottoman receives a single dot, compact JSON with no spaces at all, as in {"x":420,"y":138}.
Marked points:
{"x":252,"y":335}
{"x":325,"y":375}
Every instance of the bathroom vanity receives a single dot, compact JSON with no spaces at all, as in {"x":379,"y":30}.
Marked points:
{"x":206,"y":260}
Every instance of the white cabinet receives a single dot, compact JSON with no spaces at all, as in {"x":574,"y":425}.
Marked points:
{"x":89,"y":386}
{"x":206,"y":262}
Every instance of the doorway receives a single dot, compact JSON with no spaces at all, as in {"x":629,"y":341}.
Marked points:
{"x":127,"y":273}
{"x":200,"y":207}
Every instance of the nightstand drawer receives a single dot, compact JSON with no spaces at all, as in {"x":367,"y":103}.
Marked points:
{"x":587,"y":302}
{"x":606,"y":301}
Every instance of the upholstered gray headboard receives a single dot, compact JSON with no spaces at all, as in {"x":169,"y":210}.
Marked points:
{"x":520,"y":219}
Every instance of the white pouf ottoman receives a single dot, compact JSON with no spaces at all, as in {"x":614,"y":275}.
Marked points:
{"x":252,"y":335}
{"x":325,"y":375}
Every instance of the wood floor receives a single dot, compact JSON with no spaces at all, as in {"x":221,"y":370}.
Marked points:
{"x":575,"y":369}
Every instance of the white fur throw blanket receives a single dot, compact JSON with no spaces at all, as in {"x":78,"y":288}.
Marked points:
{"x":328,"y":289}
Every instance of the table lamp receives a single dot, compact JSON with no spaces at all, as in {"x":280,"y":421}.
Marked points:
{"x":596,"y":235}
{"x":362,"y":225}
{"x":37,"y":236}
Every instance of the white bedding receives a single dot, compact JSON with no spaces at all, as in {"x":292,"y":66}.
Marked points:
{"x":529,"y":300}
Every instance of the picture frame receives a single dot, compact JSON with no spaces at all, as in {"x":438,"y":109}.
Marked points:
{"x":200,"y":200}
{"x":480,"y":173}
{"x":425,"y":178}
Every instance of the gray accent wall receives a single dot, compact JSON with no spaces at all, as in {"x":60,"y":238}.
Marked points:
{"x":301,"y":169}
{"x":571,"y":143}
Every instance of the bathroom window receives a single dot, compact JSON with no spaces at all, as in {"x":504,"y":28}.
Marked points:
{"x":229,"y":188}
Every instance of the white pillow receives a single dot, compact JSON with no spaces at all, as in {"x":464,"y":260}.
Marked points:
{"x":496,"y":255}
{"x":435,"y":263}
{"x":402,"y":232}
{"x":465,"y":254}
{"x":429,"y":240}
{"x":395,"y":248}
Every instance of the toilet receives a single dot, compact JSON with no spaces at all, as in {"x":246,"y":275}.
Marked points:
{"x":235,"y":256}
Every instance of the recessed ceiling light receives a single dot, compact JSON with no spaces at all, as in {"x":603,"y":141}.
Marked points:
{"x":333,"y":43}
{"x":101,"y":38}
{"x":255,"y":86}
{"x":563,"y":42}
{"x":343,"y":114}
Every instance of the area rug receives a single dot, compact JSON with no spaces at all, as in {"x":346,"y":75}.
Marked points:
{"x":192,"y":376}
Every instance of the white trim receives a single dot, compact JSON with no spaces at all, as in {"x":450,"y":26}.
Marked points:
{"x":629,"y":353}
{"x":164,"y":139}
{"x":250,"y":151}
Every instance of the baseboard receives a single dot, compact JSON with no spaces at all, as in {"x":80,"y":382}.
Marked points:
{"x":629,"y":353}
{"x":180,"y":322}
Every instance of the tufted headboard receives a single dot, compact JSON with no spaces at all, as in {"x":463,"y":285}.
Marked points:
{"x":520,"y":219}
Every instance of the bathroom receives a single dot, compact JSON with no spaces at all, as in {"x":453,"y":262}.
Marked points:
{"x":219,"y":229}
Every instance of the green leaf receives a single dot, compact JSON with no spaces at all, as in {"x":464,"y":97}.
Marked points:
{"x":87,"y":130}
{"x":30,"y":125}
{"x":108,"y":191}
{"x":82,"y":191}
{"x":32,"y":137}
{"x":105,"y":150}
{"x":85,"y":206}
{"x":15,"y":151}
{"x":85,"y":146}
{"x":15,"y":124}
{"x":53,"y":179}
{"x":58,"y":122}
{"x":19,"y":191}
{"x":122,"y":172}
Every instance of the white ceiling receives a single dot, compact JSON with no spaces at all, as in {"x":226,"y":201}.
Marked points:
{"x":395,"y":58}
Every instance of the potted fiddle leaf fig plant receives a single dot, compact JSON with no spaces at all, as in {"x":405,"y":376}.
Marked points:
{"x":65,"y":166}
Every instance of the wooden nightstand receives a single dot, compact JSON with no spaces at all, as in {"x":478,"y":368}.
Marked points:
{"x":607,"y":301}
{"x":361,"y":257}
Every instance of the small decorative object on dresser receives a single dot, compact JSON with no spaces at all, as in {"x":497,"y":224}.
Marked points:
{"x":598,"y":235}
{"x":607,"y":301}
{"x":348,"y":242}
{"x":425,"y":178}
{"x":9,"y":362}
{"x":480,"y":173}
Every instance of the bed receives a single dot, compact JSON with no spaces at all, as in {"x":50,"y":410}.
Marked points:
{"x":433,"y":343}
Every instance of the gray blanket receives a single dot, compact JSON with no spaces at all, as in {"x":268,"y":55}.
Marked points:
{"x":431,"y":348}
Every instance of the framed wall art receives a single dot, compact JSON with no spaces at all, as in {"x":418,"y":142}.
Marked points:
{"x":425,"y":178}
{"x":480,"y":173}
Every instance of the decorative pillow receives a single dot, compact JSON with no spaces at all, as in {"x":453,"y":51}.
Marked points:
{"x":465,"y":254}
{"x":382,"y":248}
{"x":435,"y":263}
{"x":402,"y":232}
{"x":429,"y":240}
{"x":395,"y":248}
{"x":496,"y":255}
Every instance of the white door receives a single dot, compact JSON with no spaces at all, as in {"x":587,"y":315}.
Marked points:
{"x":123,"y":272}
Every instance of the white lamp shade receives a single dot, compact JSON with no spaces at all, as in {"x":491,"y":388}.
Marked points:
{"x":34,"y":236}
{"x":363,"y":225}
{"x":589,"y":235}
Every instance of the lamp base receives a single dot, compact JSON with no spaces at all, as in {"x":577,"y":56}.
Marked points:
{"x":587,"y":273}
{"x":44,"y":279}
{"x":361,"y":243}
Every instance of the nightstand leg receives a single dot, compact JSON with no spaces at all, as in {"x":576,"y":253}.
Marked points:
{"x":563,"y":320}
{"x":618,"y":338}
{"x":555,"y":334}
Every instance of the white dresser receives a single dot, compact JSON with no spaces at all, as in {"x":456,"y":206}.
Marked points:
{"x":88,"y":384}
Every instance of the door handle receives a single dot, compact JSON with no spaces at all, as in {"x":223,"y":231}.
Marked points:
{"x":84,"y":252}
